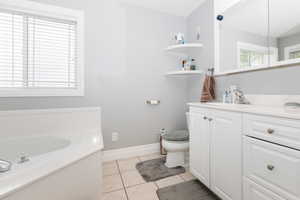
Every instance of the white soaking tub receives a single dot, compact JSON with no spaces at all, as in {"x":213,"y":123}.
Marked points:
{"x":56,"y":156}
{"x":13,"y":149}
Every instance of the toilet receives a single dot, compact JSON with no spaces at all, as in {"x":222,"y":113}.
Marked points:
{"x":176,"y":144}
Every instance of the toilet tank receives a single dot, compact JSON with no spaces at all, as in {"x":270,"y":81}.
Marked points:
{"x":188,"y":121}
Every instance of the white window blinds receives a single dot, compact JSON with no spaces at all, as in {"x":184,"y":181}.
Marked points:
{"x":37,"y":52}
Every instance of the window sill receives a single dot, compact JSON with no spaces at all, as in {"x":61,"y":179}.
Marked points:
{"x":13,"y":92}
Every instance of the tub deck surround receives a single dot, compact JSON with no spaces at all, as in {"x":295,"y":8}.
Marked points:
{"x":85,"y":140}
{"x":274,"y":111}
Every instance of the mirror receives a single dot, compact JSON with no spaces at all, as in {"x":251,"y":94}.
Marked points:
{"x":243,"y":36}
{"x":256,"y":34}
{"x":285,"y":30}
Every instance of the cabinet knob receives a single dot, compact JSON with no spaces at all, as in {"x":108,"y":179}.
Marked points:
{"x":270,"y":167}
{"x":210,"y":119}
{"x":205,"y":118}
{"x":270,"y":131}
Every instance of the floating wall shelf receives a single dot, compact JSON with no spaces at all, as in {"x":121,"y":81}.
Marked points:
{"x":182,"y":49}
{"x":182,"y":73}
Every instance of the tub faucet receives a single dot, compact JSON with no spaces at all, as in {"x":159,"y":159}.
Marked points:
{"x":5,"y":166}
{"x":23,"y":158}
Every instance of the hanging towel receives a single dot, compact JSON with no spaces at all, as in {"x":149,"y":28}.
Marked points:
{"x":208,"y":91}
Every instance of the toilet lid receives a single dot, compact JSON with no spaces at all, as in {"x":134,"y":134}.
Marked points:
{"x":181,"y":135}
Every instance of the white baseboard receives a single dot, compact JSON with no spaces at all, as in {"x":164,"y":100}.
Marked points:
{"x":129,"y":152}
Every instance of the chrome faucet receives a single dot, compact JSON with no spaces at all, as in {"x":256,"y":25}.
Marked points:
{"x":5,"y":166}
{"x":239,"y":97}
{"x":234,"y":96}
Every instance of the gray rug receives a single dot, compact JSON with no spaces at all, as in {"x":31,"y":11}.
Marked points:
{"x":192,"y":190}
{"x":153,"y":170}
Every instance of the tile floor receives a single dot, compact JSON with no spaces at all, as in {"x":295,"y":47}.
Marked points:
{"x":123,"y":182}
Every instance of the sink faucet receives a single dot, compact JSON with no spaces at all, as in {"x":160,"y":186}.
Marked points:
{"x":5,"y":166}
{"x":238,"y":97}
{"x":234,"y":96}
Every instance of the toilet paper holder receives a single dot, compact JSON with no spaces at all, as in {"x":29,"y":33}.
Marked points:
{"x":153,"y":102}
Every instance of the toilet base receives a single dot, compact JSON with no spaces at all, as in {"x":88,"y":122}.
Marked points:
{"x":175,"y":159}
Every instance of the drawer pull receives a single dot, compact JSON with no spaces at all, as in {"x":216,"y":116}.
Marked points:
{"x":270,"y":167}
{"x":270,"y":131}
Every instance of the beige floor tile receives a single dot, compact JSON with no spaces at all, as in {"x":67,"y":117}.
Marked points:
{"x":145,"y":191}
{"x":132,"y":178}
{"x":112,"y":183}
{"x":109,"y":162}
{"x":150,"y":156}
{"x":173,"y":180}
{"x":110,"y":168}
{"x":128,"y":164}
{"x":187,"y":176}
{"x":117,"y":195}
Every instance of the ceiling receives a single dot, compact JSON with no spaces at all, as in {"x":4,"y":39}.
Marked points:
{"x":174,"y":7}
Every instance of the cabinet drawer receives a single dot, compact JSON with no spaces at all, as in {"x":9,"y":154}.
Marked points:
{"x":199,"y":110}
{"x":253,"y":191}
{"x":272,"y":166}
{"x":277,"y":130}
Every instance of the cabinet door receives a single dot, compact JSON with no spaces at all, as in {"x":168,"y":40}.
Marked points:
{"x":199,"y":146}
{"x":226,"y":155}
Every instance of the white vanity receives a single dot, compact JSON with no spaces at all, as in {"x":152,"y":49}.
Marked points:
{"x":247,"y":152}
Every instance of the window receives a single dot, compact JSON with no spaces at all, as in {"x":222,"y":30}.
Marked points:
{"x":292,"y":52}
{"x":250,"y":55}
{"x":251,"y":58}
{"x":40,"y":55}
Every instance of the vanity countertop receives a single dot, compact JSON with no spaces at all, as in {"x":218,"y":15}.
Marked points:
{"x":275,"y":111}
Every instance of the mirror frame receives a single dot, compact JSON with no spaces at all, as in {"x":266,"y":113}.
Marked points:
{"x":220,"y":7}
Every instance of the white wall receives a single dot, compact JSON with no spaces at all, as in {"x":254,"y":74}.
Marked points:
{"x":201,"y":17}
{"x":125,"y":66}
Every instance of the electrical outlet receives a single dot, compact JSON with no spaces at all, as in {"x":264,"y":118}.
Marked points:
{"x":115,"y":136}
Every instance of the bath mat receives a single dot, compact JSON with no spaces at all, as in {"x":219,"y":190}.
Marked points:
{"x":153,"y":170}
{"x":192,"y":190}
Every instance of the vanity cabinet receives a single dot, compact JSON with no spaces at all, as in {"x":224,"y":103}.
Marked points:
{"x":246,"y":153}
{"x":213,"y":158}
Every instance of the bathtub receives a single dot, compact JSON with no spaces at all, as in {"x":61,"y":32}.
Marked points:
{"x":57,"y":156}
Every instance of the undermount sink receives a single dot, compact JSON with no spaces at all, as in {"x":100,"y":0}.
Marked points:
{"x":229,"y":104}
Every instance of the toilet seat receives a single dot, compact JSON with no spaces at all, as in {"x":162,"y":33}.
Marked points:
{"x":177,"y":136}
{"x":176,"y":144}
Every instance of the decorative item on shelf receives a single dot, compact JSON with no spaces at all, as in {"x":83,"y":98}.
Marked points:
{"x":183,"y":65}
{"x":188,"y":64}
{"x":179,"y":38}
{"x":193,"y":65}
